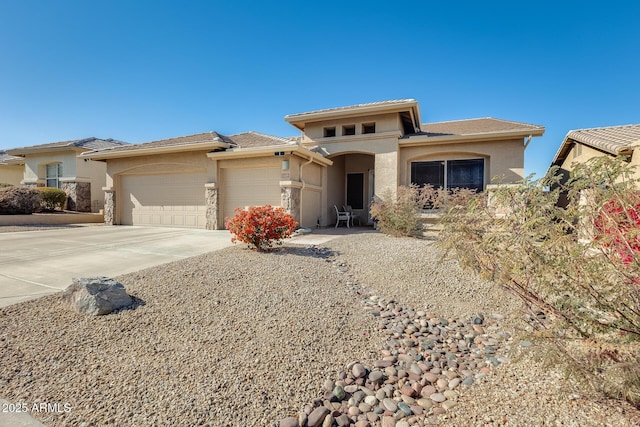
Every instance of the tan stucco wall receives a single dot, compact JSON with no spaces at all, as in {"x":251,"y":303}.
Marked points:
{"x":35,"y":167}
{"x":589,"y":153}
{"x":502,"y":158}
{"x":11,"y":174}
{"x":96,"y":173}
{"x":162,"y":163}
{"x":635,"y":161}
{"x":384,"y":123}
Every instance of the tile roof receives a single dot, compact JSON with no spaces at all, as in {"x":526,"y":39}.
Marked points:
{"x":205,"y":137}
{"x":611,"y":139}
{"x":90,"y":143}
{"x":357,"y":106}
{"x":257,"y":139}
{"x":474,"y":127}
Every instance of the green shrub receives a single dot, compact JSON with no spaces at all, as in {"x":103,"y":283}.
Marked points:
{"x":399,"y":215}
{"x":260,"y":226}
{"x":52,"y":198}
{"x":578,"y":267}
{"x":19,"y":200}
{"x":4,"y":185}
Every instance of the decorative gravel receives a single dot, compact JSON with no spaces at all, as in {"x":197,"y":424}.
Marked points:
{"x":241,"y":338}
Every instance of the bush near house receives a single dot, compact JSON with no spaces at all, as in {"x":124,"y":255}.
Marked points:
{"x":400,"y":215}
{"x":19,"y":201}
{"x":53,"y":199}
{"x":260,"y":226}
{"x":577,"y":269}
{"x":4,"y":185}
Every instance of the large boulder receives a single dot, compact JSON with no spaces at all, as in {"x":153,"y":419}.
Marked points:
{"x":97,"y":295}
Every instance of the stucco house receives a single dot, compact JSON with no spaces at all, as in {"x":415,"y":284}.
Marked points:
{"x":581,"y":145}
{"x":57,"y":164}
{"x":11,"y":169}
{"x":343,"y":156}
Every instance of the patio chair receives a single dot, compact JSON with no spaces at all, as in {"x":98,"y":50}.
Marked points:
{"x":349,"y":210}
{"x":341,"y":216}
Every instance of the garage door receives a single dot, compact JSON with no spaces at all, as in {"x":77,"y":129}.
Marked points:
{"x":169,"y":200}
{"x":249,"y":187}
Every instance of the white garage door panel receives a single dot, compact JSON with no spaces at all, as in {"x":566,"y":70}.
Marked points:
{"x":172,"y":200}
{"x":249,"y":187}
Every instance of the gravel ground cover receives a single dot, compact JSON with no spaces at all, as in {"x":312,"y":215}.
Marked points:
{"x":240,"y":338}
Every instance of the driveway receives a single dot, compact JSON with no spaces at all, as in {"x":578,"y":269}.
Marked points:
{"x":37,"y":263}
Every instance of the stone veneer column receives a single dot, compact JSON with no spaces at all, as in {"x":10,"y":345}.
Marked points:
{"x":109,"y":206}
{"x":78,"y":195}
{"x":290,"y":198}
{"x":212,"y":206}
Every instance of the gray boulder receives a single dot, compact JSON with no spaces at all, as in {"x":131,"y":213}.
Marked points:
{"x":97,"y":295}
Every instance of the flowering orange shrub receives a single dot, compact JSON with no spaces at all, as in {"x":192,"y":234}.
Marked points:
{"x":260,"y":226}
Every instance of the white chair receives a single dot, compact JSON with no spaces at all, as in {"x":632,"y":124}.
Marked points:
{"x":341,"y":216}
{"x":349,"y":210}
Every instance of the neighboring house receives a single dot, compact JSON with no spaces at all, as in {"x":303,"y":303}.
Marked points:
{"x":583,"y":144}
{"x":11,"y":169}
{"x":57,"y":164}
{"x":344,"y":156}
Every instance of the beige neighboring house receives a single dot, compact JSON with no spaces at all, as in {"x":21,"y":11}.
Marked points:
{"x":583,"y":144}
{"x":344,"y":156}
{"x":11,"y":169}
{"x":57,"y":164}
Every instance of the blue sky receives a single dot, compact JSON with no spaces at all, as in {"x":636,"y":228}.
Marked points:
{"x":145,"y":70}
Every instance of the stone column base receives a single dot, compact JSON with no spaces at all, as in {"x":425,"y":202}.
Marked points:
{"x":109,"y":206}
{"x":212,"y":207}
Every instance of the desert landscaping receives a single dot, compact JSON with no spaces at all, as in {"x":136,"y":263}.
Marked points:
{"x":363,"y":330}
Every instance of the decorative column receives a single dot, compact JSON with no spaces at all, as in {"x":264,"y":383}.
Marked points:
{"x":78,"y":194}
{"x":109,"y":205}
{"x":211,"y":196}
{"x":290,"y":192}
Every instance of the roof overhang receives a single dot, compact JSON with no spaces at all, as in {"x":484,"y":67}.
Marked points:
{"x":301,"y":119}
{"x":568,"y":143}
{"x":24,"y":151}
{"x":295,"y":150}
{"x":472,"y":137}
{"x":148,"y":151}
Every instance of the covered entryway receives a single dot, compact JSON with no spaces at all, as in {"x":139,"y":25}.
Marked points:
{"x":169,"y":200}
{"x":351,"y":182}
{"x":243,"y":187}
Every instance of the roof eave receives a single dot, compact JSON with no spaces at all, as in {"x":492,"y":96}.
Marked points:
{"x":237,"y":153}
{"x":483,"y":136}
{"x":136,"y":152}
{"x":39,"y":150}
{"x":300,"y":119}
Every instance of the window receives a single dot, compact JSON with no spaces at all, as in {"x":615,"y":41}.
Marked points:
{"x":54,"y":173}
{"x":449,"y":174}
{"x":349,"y":130}
{"x":355,"y":190}
{"x":368,"y":128}
{"x":329,"y":132}
{"x":577,"y":150}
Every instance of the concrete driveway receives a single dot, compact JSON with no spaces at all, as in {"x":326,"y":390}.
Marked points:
{"x":37,"y":263}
